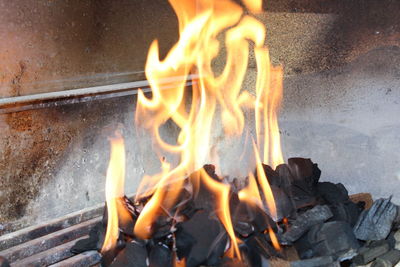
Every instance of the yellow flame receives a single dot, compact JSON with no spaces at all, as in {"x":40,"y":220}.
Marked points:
{"x":114,"y":191}
{"x":222,"y":193}
{"x":274,"y":239}
{"x":264,"y":184}
{"x":250,"y":193}
{"x":212,"y":95}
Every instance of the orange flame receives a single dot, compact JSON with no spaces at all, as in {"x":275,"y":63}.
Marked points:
{"x":200,"y":22}
{"x":222,"y":192}
{"x":115,"y":190}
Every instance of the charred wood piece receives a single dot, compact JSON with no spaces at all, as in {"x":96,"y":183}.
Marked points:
{"x":376,"y":223}
{"x":133,"y":255}
{"x":388,"y":259}
{"x":371,"y":251}
{"x":201,"y":240}
{"x":329,"y":239}
{"x":326,"y":261}
{"x":305,"y":221}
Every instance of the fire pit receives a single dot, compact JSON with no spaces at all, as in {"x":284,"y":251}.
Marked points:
{"x":216,"y":90}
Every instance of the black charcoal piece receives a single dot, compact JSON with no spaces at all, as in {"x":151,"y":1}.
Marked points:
{"x":376,"y":223}
{"x":284,"y":206}
{"x":228,"y":262}
{"x":248,"y":218}
{"x":330,"y":239}
{"x":133,"y":255}
{"x":346,"y":211}
{"x":305,"y":221}
{"x":4,"y":262}
{"x":201,"y":240}
{"x":160,"y":256}
{"x":299,"y":180}
{"x":327,"y":261}
{"x":389,"y":259}
{"x":371,"y":251}
{"x":332,"y":193}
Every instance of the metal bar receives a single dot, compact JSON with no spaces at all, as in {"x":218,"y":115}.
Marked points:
{"x":49,"y":241}
{"x":73,"y":96}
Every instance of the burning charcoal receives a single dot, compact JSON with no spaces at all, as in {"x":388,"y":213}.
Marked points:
{"x":376,"y":223}
{"x":133,"y":255}
{"x":272,"y":176}
{"x":202,"y":239}
{"x":284,"y":206}
{"x":388,"y":259}
{"x":326,"y":261}
{"x":332,"y":193}
{"x":259,"y":244}
{"x":365,"y":198}
{"x":4,"y":262}
{"x":247,"y":219}
{"x":305,"y":221}
{"x":94,"y":242}
{"x":160,"y":256}
{"x":371,"y":251}
{"x":346,"y":211}
{"x":329,"y":239}
{"x":228,"y":262}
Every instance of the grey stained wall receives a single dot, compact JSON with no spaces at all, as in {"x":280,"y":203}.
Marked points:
{"x":340,"y":107}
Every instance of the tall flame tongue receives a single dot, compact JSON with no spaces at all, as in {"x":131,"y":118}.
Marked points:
{"x":200,"y":22}
{"x":114,"y":190}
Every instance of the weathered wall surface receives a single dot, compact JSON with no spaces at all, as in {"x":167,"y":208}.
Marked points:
{"x":340,"y":99}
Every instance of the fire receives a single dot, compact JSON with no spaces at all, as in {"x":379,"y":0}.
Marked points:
{"x":211,"y":96}
{"x":115,"y":190}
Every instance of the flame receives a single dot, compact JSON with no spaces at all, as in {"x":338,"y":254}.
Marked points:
{"x":274,"y":239}
{"x":250,"y":193}
{"x":115,"y":190}
{"x":222,"y":192}
{"x":212,"y":95}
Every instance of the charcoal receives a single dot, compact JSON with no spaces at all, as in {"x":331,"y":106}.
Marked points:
{"x":4,"y":262}
{"x":328,"y":239}
{"x":272,"y":176}
{"x":396,"y":237}
{"x":228,"y":262}
{"x":326,"y":261}
{"x":305,"y":221}
{"x":299,"y":180}
{"x":93,"y":242}
{"x":259,"y":244}
{"x":284,"y":206}
{"x":376,"y":223}
{"x":161,"y":227}
{"x":388,"y":259}
{"x":346,"y":211}
{"x":160,"y":256}
{"x":371,"y":251}
{"x":250,"y":218}
{"x":201,"y":240}
{"x":332,"y":193}
{"x":251,"y":256}
{"x":133,"y":255}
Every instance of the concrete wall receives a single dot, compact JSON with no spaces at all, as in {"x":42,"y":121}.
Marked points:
{"x":340,"y":99}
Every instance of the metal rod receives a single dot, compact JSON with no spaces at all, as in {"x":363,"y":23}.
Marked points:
{"x":73,"y":96}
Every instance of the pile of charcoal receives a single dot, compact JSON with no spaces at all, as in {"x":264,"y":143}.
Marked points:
{"x":317,"y":224}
